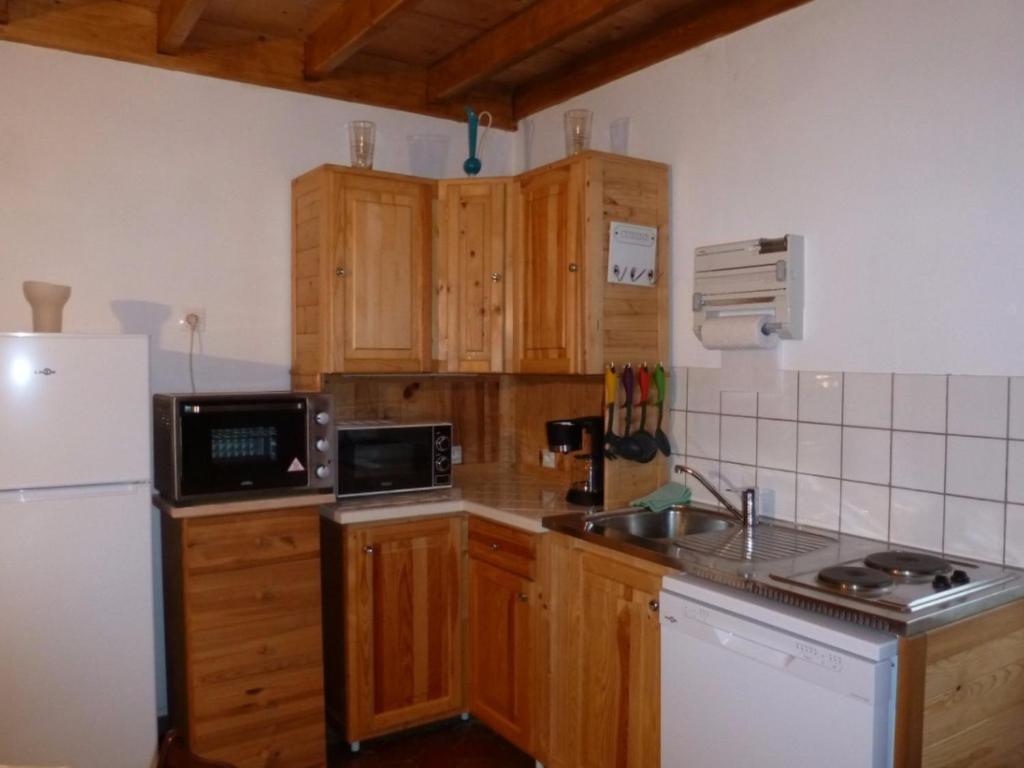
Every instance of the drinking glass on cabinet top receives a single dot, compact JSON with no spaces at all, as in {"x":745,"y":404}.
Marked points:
{"x":577,"y":130}
{"x":361,"y":136}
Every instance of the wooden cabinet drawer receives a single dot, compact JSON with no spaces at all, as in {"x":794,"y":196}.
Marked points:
{"x":257,"y":595}
{"x":234,"y":541}
{"x":504,"y":547}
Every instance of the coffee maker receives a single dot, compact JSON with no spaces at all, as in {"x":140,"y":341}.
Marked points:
{"x":566,"y":436}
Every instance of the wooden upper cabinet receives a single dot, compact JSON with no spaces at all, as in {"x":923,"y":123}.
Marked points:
{"x":362,"y":247}
{"x":403,"y":624}
{"x":568,"y":317}
{"x":473,"y":242}
{"x":549,"y":272}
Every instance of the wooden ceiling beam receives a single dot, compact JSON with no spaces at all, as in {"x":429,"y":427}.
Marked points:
{"x":540,"y":25}
{"x":697,"y":24}
{"x":125,"y":31}
{"x":5,"y":12}
{"x":175,"y":21}
{"x":346,"y":31}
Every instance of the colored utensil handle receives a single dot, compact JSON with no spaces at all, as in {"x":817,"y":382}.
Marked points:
{"x":627,"y":386}
{"x":659,"y":382}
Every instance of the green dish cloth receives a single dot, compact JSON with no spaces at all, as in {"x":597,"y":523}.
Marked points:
{"x":663,"y":498}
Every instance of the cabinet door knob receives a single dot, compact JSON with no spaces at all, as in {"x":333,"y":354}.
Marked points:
{"x":340,"y":271}
{"x":495,"y":547}
{"x":572,"y":266}
{"x":522,"y":597}
{"x":368,"y":549}
{"x":496,"y":277}
{"x":653,"y":605}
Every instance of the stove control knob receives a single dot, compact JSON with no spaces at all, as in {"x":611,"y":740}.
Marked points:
{"x":322,"y":418}
{"x":322,"y":445}
{"x":960,"y":577}
{"x":442,"y":463}
{"x":941,"y":583}
{"x":322,"y":471}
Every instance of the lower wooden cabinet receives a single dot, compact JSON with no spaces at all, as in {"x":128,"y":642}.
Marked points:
{"x":394,"y":623}
{"x":504,"y":625}
{"x":242,"y":614}
{"x":605,"y":661}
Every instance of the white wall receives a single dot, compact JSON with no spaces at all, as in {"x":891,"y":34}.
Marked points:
{"x":890,"y":134}
{"x":151,"y":191}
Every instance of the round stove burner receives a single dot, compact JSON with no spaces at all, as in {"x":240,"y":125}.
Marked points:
{"x":852,"y":578}
{"x":898,"y":563}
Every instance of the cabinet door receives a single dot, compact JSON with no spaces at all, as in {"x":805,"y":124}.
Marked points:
{"x":619,"y":666}
{"x":403,"y":625}
{"x":549,"y":273}
{"x":472,"y":249}
{"x":381,"y":311}
{"x":501,"y":641}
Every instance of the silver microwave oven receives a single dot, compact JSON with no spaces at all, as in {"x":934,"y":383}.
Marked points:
{"x":221,"y":446}
{"x":391,"y":457}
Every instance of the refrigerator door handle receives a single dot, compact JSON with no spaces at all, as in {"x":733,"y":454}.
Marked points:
{"x":29,"y":495}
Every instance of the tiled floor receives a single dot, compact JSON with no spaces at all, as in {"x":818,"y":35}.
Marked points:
{"x":453,"y":744}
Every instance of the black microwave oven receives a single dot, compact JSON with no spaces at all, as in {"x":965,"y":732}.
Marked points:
{"x":226,"y":446}
{"x":392,"y":457}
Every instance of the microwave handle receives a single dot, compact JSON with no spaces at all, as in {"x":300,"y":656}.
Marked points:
{"x":258,"y":407}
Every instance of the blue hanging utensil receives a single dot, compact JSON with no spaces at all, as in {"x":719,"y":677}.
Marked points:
{"x":473,"y":165}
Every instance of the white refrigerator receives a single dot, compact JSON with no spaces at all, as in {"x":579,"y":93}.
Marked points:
{"x":77,"y":671}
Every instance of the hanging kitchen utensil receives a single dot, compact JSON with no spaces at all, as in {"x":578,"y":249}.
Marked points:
{"x":473,"y":165}
{"x":648,"y":445}
{"x":659,"y":436}
{"x":628,"y":447}
{"x":611,"y":391}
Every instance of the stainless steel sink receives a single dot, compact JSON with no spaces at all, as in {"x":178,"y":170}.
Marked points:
{"x":670,"y":524}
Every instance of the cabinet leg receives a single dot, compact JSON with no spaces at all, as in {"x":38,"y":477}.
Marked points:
{"x":354,"y":746}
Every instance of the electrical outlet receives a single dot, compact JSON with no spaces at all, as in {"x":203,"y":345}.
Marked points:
{"x":456,"y":454}
{"x":547,"y":458}
{"x":185,"y":315}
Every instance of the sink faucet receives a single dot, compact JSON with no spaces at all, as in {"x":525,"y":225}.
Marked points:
{"x":747,"y":513}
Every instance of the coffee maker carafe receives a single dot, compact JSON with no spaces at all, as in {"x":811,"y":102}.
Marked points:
{"x":566,"y":436}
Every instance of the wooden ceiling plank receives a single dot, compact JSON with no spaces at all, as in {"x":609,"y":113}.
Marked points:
{"x":5,"y":12}
{"x":540,"y":25}
{"x":668,"y":37}
{"x":175,"y":21}
{"x":346,"y":31}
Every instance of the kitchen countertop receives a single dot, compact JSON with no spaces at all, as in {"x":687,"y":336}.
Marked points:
{"x":502,"y":494}
{"x":241,"y":507}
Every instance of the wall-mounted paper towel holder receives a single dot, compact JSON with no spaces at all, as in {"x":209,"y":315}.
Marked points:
{"x":752,"y":277}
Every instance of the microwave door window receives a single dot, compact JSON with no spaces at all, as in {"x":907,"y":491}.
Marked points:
{"x":375,"y":461}
{"x":225,"y":450}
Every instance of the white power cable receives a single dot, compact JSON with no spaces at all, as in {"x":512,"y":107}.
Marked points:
{"x":192,"y":321}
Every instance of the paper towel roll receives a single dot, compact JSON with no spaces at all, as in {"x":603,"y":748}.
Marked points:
{"x":750,"y":360}
{"x":739,"y":332}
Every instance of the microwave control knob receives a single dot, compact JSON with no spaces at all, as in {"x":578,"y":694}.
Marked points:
{"x":442,"y":463}
{"x":322,"y":471}
{"x":322,"y":445}
{"x":322,"y":418}
{"x":442,"y":442}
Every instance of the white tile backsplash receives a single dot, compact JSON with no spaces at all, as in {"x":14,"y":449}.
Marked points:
{"x":709,"y":469}
{"x":919,"y":403}
{"x":975,"y":528}
{"x":920,"y":460}
{"x":703,"y":390}
{"x":783,"y":484}
{"x":821,"y":397}
{"x":782,"y":405}
{"x":677,"y":431}
{"x":916,"y":518}
{"x":702,"y":435}
{"x":817,"y":501}
{"x":865,"y":510}
{"x":734,"y":477}
{"x":819,"y":449}
{"x":866,"y":455}
{"x":676,"y":397}
{"x":976,"y":466}
{"x":739,"y":439}
{"x":1017,"y":408}
{"x":739,"y":403}
{"x":867,"y":399}
{"x":1015,"y":535}
{"x":978,"y":405}
{"x":776,"y":444}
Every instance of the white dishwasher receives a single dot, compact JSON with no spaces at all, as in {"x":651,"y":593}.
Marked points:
{"x":749,"y":682}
